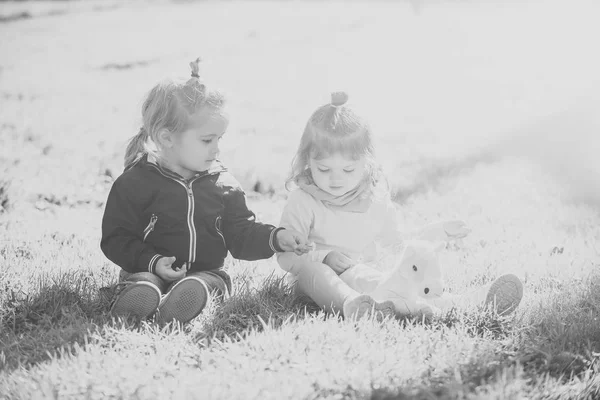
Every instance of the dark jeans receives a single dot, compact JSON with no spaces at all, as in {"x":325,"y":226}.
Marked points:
{"x":217,"y":281}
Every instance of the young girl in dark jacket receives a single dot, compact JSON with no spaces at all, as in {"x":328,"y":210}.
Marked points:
{"x":175,"y":212}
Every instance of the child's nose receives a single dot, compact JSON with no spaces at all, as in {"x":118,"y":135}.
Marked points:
{"x":336,"y":177}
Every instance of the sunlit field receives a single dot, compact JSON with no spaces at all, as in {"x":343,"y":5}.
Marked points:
{"x":487,"y":111}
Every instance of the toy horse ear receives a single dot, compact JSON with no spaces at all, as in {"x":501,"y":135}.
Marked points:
{"x":438,"y":246}
{"x":409,"y":251}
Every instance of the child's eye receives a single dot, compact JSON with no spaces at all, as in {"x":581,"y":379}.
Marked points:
{"x":348,"y":171}
{"x":323,"y":170}
{"x":207,"y":141}
{"x":415,"y":268}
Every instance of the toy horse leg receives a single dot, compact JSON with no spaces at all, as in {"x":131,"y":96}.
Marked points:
{"x":473,"y":298}
{"x":408,"y":307}
{"x":446,"y":301}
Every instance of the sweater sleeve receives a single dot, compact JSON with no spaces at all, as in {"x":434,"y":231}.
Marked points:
{"x":299,"y":214}
{"x":122,"y":241}
{"x":246,"y":238}
{"x":390,"y":234}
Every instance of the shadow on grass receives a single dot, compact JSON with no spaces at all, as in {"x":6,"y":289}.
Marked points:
{"x":62,"y":311}
{"x":560,"y":339}
{"x":249,"y":308}
{"x":562,"y":336}
{"x":66,"y":310}
{"x":551,"y":349}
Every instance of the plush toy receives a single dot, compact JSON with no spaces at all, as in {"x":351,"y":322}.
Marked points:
{"x":415,"y":278}
{"x":415,"y":286}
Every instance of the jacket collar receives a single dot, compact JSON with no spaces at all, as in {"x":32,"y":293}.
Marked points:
{"x":148,"y":162}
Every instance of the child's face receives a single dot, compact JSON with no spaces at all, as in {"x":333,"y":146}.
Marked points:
{"x":337,"y":174}
{"x":196,"y":148}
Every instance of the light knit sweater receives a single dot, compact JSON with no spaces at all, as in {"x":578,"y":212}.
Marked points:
{"x":353,"y":233}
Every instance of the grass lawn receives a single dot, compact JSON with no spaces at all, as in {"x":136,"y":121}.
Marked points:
{"x":485,"y":111}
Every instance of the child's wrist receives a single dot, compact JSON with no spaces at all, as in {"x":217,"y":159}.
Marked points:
{"x":159,"y":274}
{"x":274,"y":241}
{"x":153,"y":262}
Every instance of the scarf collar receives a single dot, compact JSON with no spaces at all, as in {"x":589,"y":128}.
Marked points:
{"x":357,"y":200}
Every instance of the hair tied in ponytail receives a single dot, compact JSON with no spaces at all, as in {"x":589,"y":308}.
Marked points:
{"x":136,"y":147}
{"x":194,"y":90}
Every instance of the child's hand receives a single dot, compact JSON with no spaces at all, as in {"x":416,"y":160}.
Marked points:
{"x":291,"y":240}
{"x":165,"y":272}
{"x":456,"y":229}
{"x":339,"y":262}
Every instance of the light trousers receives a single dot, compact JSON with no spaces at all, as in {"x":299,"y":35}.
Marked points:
{"x":329,"y":290}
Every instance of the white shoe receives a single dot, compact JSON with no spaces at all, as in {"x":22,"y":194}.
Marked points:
{"x":186,"y":299}
{"x":364,"y":304}
{"x":505,"y":294}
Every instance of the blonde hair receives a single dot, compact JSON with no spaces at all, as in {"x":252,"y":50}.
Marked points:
{"x":335,"y":128}
{"x":169,"y":105}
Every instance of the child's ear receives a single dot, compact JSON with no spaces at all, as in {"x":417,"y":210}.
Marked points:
{"x":438,"y":246}
{"x":165,"y":139}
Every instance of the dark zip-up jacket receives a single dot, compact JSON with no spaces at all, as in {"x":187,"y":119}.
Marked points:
{"x":152,"y":212}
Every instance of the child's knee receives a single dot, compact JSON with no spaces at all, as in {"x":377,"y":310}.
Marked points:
{"x":217,"y":282}
{"x":143,"y":277}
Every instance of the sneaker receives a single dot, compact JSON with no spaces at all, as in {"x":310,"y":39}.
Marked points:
{"x":505,"y":294}
{"x":364,"y":304}
{"x":138,"y":299}
{"x":186,"y":299}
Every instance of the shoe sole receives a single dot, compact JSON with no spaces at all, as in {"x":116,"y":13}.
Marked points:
{"x":365,"y":305}
{"x":505,"y":293}
{"x":186,"y":299}
{"x":139,"y":299}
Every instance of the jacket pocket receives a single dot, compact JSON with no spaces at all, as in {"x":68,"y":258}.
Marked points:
{"x":212,"y":245}
{"x":150,"y":227}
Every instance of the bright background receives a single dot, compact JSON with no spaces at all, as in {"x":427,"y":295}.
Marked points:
{"x":486,"y":111}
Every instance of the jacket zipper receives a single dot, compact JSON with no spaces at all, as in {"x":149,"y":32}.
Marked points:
{"x":218,"y":228}
{"x":192,"y":226}
{"x":190,"y":210}
{"x":150,"y":226}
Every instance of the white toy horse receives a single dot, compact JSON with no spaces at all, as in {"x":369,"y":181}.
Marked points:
{"x":415,"y":285}
{"x":416,"y":278}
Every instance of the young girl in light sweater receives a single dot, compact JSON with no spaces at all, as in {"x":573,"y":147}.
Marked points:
{"x":342,"y":204}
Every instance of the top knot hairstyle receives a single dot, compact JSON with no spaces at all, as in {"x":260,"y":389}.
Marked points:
{"x":338,"y":99}
{"x":169,"y":105}
{"x":335,"y":128}
{"x":336,"y":119}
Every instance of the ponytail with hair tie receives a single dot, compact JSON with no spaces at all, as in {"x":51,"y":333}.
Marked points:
{"x":195,"y":66}
{"x":194,"y":89}
{"x":136,"y":147}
